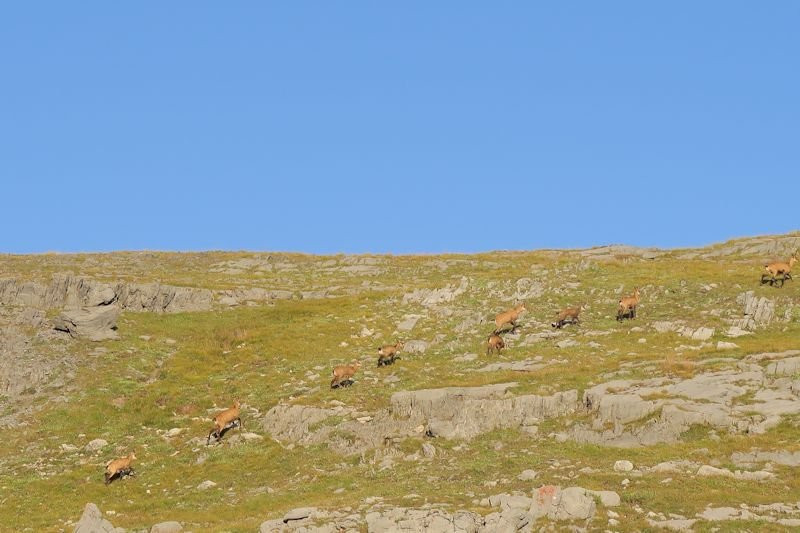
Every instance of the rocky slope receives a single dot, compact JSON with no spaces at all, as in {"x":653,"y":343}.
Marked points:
{"x":687,"y":417}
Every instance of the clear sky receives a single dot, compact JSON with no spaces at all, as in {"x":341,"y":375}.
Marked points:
{"x":396,"y":126}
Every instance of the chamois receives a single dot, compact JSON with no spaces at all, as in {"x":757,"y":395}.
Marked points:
{"x":387,"y":354}
{"x":343,"y":374}
{"x":224,"y":419}
{"x":627,"y":305}
{"x":509,"y":317}
{"x":773,"y":270}
{"x":570,"y":315}
{"x":119,"y":467}
{"x":494,"y":343}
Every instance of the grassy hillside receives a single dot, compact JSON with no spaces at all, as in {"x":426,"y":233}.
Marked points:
{"x":175,"y":370}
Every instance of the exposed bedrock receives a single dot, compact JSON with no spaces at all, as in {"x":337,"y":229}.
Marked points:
{"x":748,"y":399}
{"x":70,"y":292}
{"x":452,"y":413}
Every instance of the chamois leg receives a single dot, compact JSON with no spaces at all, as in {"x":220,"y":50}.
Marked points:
{"x":107,"y":478}
{"x":241,"y":424}
{"x":781,"y":280}
{"x":212,"y":432}
{"x":766,"y":279}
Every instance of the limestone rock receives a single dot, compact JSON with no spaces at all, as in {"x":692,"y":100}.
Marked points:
{"x":92,"y":521}
{"x":93,"y":323}
{"x":431,"y":297}
{"x":758,"y":311}
{"x":454,"y":412}
{"x":416,"y":346}
{"x":167,"y":527}
{"x":95,"y":445}
{"x":673,"y":524}
{"x":573,"y":503}
{"x":299,"y":514}
{"x":408,"y":322}
{"x":73,"y":292}
{"x":623,"y":466}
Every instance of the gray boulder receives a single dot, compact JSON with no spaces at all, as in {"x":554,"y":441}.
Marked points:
{"x":95,"y":323}
{"x":299,"y":514}
{"x":416,"y":346}
{"x":573,"y":503}
{"x":167,"y":527}
{"x":92,"y":521}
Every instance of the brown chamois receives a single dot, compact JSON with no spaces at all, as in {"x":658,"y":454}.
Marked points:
{"x":628,"y":305}
{"x":773,"y":270}
{"x":119,"y":467}
{"x":343,"y":374}
{"x":570,"y":315}
{"x":509,"y":317}
{"x":224,"y":419}
{"x":387,"y":354}
{"x":494,"y":343}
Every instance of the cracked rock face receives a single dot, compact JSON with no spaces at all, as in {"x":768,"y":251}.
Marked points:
{"x":624,"y":415}
{"x":758,"y":311}
{"x":93,"y":323}
{"x":71,"y":292}
{"x":25,"y":369}
{"x":452,"y":413}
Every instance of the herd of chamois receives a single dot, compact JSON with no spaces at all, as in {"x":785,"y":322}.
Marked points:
{"x":775,"y":274}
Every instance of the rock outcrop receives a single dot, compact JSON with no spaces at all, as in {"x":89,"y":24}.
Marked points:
{"x":92,"y":521}
{"x":432,"y":297}
{"x":464,"y":412}
{"x":630,"y":413}
{"x":93,"y":323}
{"x":516,"y":512}
{"x":758,"y":311}
{"x":71,"y":292}
{"x":451,"y":413}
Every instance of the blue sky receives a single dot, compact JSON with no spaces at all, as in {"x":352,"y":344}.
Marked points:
{"x":396,"y":127}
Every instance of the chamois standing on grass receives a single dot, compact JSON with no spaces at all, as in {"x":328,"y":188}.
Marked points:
{"x":224,"y":419}
{"x":494,"y":344}
{"x":119,"y":467}
{"x":570,"y":315}
{"x":628,"y":305}
{"x":773,"y":270}
{"x":509,"y":317}
{"x":343,"y":374}
{"x":388,"y":354}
